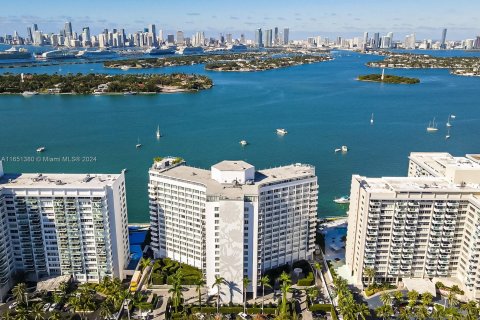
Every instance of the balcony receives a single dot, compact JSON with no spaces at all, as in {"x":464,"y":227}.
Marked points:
{"x":372,"y":233}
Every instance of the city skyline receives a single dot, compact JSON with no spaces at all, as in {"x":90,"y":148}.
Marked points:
{"x":304,"y":18}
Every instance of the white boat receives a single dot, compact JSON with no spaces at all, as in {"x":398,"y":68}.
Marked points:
{"x":100,"y":53}
{"x":453,"y":116}
{"x":29,"y":93}
{"x":282,"y":131}
{"x":342,"y":200}
{"x":129,"y":93}
{"x":15,"y":54}
{"x":57,"y":54}
{"x":448,"y":134}
{"x":158,"y":132}
{"x":344,"y":148}
{"x":338,"y":150}
{"x":154,"y":51}
{"x":138,"y":145}
{"x":125,"y":170}
{"x":243,"y":142}
{"x":40,"y":149}
{"x":125,"y":68}
{"x":432,"y":126}
{"x":371,"y":119}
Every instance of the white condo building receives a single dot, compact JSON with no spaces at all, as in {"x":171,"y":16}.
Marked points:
{"x":426,"y":225}
{"x":232,"y":221}
{"x":62,"y":224}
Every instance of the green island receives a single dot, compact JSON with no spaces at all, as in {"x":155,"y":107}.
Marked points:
{"x":175,"y":61}
{"x":388,"y":79}
{"x":265,"y":64}
{"x":250,"y":61}
{"x":464,"y":66}
{"x":102,"y":83}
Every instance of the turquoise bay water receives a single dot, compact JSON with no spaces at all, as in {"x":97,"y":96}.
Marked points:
{"x":321,"y":105}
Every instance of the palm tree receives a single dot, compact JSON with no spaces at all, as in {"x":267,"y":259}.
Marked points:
{"x":55,"y":315}
{"x":362,"y":311}
{"x":177,"y":294}
{"x":265,"y":282}
{"x":246,"y":282}
{"x":144,"y":263}
{"x":63,"y":287}
{"x":386,"y":298}
{"x":284,"y":277}
{"x":105,"y":310}
{"x":370,"y":273}
{"x":285,"y":287}
{"x":20,"y":293}
{"x":452,"y":299}
{"x":404,"y":315}
{"x":318,"y":269}
{"x":200,"y":283}
{"x":427,"y":299}
{"x":421,"y":313}
{"x":37,"y":312}
{"x":384,"y":311}
{"x":217,"y":283}
{"x":454,"y":314}
{"x":439,"y":313}
{"x":398,"y":295}
{"x":8,"y":315}
{"x":312,"y":293}
{"x":412,"y":298}
{"x":22,"y":313}
{"x":471,"y":309}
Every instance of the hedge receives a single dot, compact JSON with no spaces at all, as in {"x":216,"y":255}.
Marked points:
{"x":324,"y":307}
{"x":225,"y":310}
{"x":308,"y":281}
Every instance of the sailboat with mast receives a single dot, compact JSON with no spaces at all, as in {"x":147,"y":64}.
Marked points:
{"x":448,"y":120}
{"x":432,"y":126}
{"x":371,"y":119}
{"x":158,"y":132}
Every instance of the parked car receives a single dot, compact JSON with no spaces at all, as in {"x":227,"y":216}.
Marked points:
{"x":244,"y":316}
{"x":13,"y":305}
{"x":52,"y":307}
{"x":46,"y":306}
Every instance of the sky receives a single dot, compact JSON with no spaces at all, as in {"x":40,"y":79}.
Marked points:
{"x":328,"y":18}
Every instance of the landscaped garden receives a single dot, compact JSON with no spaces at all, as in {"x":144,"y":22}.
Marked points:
{"x":165,"y":271}
{"x":74,"y":301}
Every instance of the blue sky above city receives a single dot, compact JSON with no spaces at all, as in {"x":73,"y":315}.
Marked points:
{"x":346,"y":18}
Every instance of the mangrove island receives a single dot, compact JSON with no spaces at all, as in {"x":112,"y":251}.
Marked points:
{"x":388,"y":79}
{"x":266,"y":63}
{"x":102,"y":83}
{"x":251,"y":61}
{"x":465,"y":66}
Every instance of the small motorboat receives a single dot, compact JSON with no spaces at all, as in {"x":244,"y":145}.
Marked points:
{"x":41,"y":149}
{"x":29,"y":93}
{"x":342,"y":200}
{"x":282,"y":131}
{"x":243,"y":142}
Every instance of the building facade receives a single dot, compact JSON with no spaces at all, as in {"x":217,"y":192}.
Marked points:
{"x":63,"y":224}
{"x":426,"y":225}
{"x":232,"y":221}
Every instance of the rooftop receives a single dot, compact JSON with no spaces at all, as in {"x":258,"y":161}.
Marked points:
{"x":227,"y":165}
{"x":203,"y":177}
{"x":57,"y":180}
{"x":414,"y":184}
{"x":438,"y":162}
